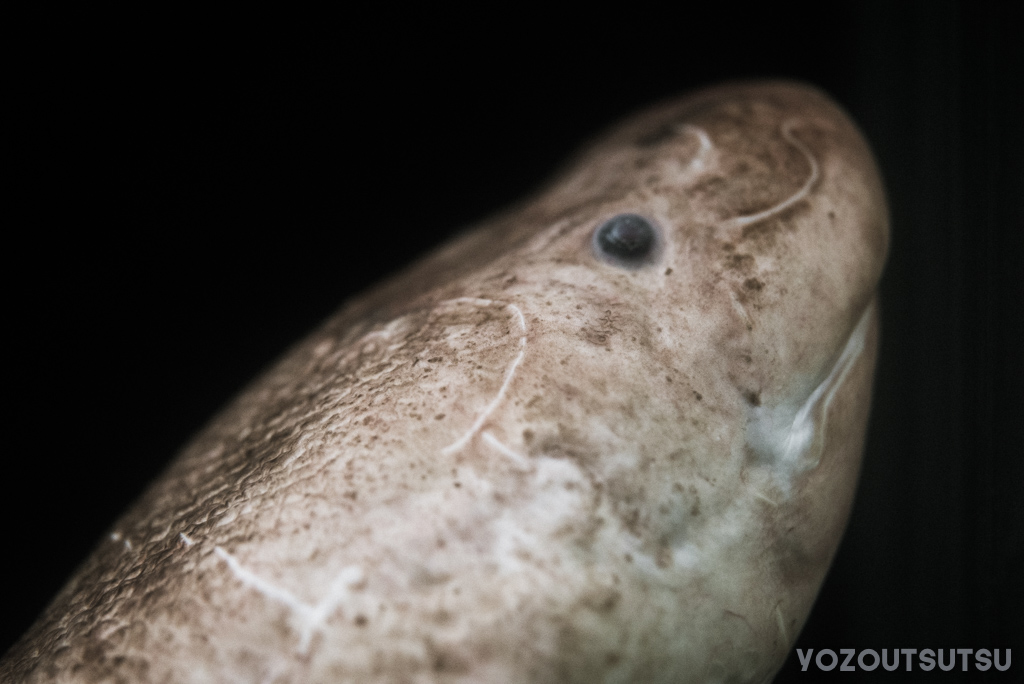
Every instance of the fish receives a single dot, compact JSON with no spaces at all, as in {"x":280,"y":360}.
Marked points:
{"x":611,"y":434}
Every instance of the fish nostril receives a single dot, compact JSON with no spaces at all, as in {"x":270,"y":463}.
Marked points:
{"x":626,"y":240}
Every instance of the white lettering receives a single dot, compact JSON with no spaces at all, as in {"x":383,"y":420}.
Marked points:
{"x":868,"y":659}
{"x":860,"y":659}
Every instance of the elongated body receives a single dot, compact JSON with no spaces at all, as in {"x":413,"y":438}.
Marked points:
{"x":610,"y":436}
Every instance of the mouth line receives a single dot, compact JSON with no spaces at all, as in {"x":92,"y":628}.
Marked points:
{"x":789,"y":437}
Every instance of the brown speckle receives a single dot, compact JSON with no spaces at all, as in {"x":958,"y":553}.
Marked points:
{"x":603,"y":600}
{"x":449,"y":662}
{"x":753,"y":398}
{"x":631,"y":521}
{"x":739,"y":262}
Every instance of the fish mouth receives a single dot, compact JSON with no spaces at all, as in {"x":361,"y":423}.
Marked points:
{"x":788,"y":437}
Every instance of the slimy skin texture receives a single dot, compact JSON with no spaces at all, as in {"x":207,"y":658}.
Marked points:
{"x":521,"y":461}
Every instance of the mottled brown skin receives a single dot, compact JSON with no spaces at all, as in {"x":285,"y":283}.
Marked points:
{"x":432,"y":489}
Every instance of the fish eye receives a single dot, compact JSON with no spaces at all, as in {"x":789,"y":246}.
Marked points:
{"x":626,"y":240}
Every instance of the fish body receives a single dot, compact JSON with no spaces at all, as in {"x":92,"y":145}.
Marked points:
{"x":611,"y":435}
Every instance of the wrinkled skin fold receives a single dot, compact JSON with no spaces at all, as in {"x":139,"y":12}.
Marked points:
{"x":524,"y":461}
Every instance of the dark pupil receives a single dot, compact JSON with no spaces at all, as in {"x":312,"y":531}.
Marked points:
{"x":627,"y":237}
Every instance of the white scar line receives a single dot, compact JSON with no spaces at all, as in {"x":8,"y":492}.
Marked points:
{"x":520,"y":460}
{"x":787,"y":133}
{"x":186,"y":540}
{"x":485,"y":414}
{"x":310,"y":617}
{"x":781,"y":622}
{"x":737,"y":305}
{"x":697,"y":163}
{"x":761,"y":495}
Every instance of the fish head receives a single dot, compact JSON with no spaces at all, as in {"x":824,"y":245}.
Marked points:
{"x":699,"y":292}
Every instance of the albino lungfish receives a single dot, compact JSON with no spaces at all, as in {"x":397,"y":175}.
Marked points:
{"x":611,"y":435}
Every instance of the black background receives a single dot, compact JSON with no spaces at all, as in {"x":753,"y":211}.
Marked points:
{"x":191,"y":200}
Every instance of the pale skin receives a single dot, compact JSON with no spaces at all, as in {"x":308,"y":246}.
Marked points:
{"x":529,"y":458}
